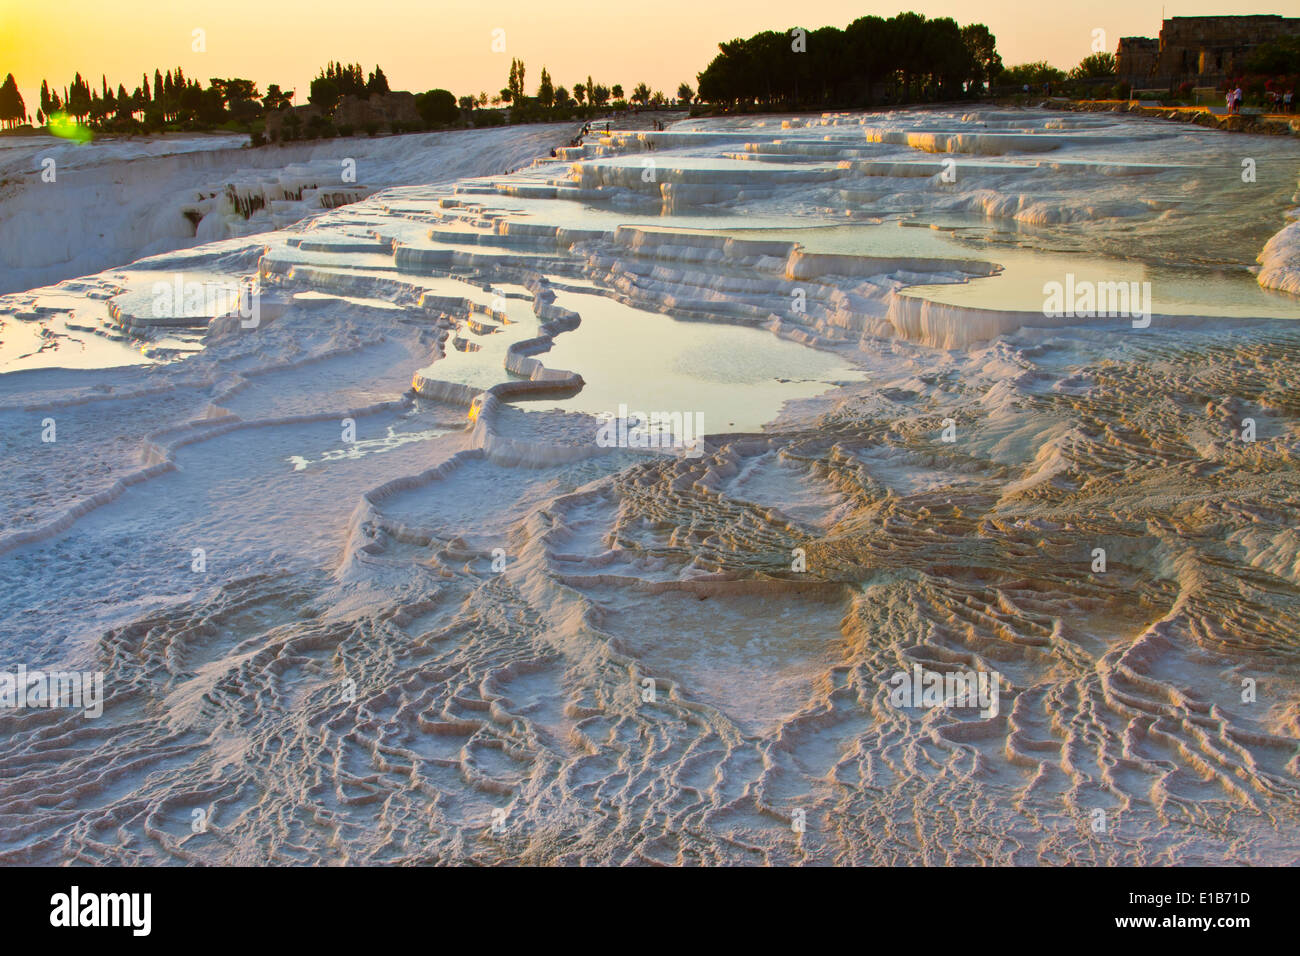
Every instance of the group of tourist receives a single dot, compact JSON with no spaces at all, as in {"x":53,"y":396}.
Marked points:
{"x":1275,"y":101}
{"x":1281,"y":102}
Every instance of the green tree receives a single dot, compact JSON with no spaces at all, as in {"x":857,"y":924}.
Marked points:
{"x":983,"y":48}
{"x":169,"y":97}
{"x":1276,"y":57}
{"x":438,"y":107}
{"x":12,"y":109}
{"x":1033,"y":74}
{"x":545,"y":90}
{"x":516,"y":82}
{"x":324,"y":93}
{"x":337,"y":81}
{"x":192,"y":101}
{"x":1096,"y":65}
{"x":240,"y":97}
{"x":209,"y":107}
{"x":125,"y":105}
{"x":78,"y":99}
{"x":275,"y":98}
{"x":907,"y":56}
{"x":685,"y":94}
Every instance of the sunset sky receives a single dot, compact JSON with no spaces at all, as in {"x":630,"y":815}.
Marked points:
{"x":423,"y":44}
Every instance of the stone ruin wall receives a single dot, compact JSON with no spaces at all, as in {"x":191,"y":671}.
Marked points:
{"x":1199,"y":50}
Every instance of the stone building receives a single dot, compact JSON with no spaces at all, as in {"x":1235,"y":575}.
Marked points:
{"x":382,"y":111}
{"x":296,"y":117}
{"x":1203,"y":51}
{"x":379,"y":110}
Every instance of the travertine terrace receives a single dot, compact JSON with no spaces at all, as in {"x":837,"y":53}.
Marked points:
{"x":469,"y":632}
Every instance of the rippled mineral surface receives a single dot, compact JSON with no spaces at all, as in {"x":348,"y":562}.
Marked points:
{"x":368,"y":581}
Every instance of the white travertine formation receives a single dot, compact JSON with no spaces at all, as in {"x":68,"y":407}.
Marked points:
{"x":369,"y":583}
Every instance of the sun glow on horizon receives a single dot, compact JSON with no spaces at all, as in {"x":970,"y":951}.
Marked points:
{"x":421,"y":46}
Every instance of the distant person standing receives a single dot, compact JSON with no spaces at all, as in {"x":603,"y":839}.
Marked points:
{"x":1288,"y":101}
{"x":1237,"y":96}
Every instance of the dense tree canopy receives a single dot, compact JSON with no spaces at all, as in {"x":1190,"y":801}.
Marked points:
{"x":1094,"y":66}
{"x":1276,"y":58}
{"x":170,"y":100}
{"x":1032,"y":75}
{"x":907,"y":58}
{"x":437,"y":107}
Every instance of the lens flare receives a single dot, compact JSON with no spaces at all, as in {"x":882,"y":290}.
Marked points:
{"x":67,"y":127}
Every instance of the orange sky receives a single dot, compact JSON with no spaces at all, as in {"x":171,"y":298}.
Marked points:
{"x":437,"y":44}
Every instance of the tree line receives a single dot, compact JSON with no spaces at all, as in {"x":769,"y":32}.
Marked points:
{"x":904,"y":59}
{"x":584,"y":98}
{"x":550,"y":103}
{"x":338,"y":80}
{"x":171,"y":99}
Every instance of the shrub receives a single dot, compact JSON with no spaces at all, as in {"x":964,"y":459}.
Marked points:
{"x":320,"y":126}
{"x":437,"y":107}
{"x":324,"y":93}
